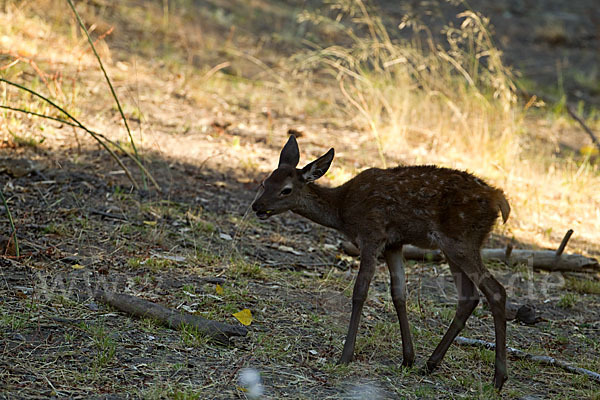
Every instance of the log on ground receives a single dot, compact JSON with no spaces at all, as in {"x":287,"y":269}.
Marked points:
{"x":135,"y":306}
{"x":537,"y":259}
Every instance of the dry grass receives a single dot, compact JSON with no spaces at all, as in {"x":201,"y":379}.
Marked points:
{"x":455,"y":104}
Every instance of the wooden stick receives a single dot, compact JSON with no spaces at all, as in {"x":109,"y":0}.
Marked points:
{"x":544,"y":360}
{"x":584,"y":126}
{"x":417,"y":253}
{"x":563,"y":243}
{"x":175,"y":320}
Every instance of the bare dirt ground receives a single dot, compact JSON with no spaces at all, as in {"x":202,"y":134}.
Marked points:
{"x":82,"y":227}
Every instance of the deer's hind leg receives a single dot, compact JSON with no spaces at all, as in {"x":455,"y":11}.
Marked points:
{"x":395,"y":263}
{"x":468,"y":298}
{"x":470,"y":263}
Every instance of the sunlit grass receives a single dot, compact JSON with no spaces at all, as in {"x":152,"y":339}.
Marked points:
{"x":454,"y":104}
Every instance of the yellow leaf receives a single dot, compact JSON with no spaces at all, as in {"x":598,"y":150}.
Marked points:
{"x":219,"y":289}
{"x":77,"y":266}
{"x":244,"y":316}
{"x":151,"y":223}
{"x":588,"y":150}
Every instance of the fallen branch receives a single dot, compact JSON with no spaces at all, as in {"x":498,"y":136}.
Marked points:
{"x":132,"y":305}
{"x":520,"y":354}
{"x":544,"y":259}
{"x":537,"y":259}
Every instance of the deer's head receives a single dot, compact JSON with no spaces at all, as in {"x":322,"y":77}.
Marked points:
{"x":284,"y":189}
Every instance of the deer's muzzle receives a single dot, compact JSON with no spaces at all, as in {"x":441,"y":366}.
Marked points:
{"x":261,"y":213}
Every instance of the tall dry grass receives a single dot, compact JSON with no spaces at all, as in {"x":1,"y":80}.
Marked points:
{"x":453,"y":97}
{"x":454,"y":103}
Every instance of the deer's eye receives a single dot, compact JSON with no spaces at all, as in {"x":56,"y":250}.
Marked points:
{"x":286,"y":191}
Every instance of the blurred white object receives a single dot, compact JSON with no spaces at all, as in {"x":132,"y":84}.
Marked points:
{"x":249,"y":379}
{"x":365,"y":391}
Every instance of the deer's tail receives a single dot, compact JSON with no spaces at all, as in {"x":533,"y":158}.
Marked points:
{"x":502,"y":204}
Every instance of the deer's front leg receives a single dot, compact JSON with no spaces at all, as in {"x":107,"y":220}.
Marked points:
{"x":368,"y":259}
{"x":395,"y":263}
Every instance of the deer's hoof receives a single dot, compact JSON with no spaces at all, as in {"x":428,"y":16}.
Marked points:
{"x":408,"y":362}
{"x":344,"y":360}
{"x":430,"y":366}
{"x":499,"y":380}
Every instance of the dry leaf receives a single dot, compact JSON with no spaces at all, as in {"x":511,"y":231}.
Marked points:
{"x":24,"y":296}
{"x":244,"y":316}
{"x":151,"y":223}
{"x":219,"y":289}
{"x":77,"y":266}
{"x":589,"y":150}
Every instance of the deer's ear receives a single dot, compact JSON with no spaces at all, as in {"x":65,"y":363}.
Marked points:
{"x":317,"y":168}
{"x":290,"y":155}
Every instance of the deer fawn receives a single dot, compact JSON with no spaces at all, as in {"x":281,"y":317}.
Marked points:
{"x":380,"y":210}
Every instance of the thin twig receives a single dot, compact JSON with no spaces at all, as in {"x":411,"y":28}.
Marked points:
{"x":81,"y":126}
{"x":584,"y":126}
{"x":365,"y":114}
{"x":78,"y":124}
{"x":21,"y":110}
{"x":297,"y":265}
{"x":112,"y":89}
{"x":13,"y":233}
{"x":215,"y":69}
{"x":107,"y":215}
{"x":545,"y":360}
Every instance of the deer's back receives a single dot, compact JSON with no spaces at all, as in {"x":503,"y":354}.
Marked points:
{"x":408,"y":204}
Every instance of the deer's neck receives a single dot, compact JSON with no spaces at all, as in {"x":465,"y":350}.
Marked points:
{"x":321,"y":205}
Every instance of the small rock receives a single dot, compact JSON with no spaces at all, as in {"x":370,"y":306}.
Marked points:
{"x":289,"y":249}
{"x":526,"y":314}
{"x":18,"y":337}
{"x":511,"y":311}
{"x":225,"y":236}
